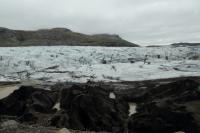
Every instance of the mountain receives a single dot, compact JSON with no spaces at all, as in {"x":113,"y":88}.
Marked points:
{"x":185,"y":44}
{"x":58,"y":36}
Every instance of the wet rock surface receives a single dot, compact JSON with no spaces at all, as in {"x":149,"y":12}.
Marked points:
{"x":163,"y":106}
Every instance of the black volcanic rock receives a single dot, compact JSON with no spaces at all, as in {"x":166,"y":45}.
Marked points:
{"x":162,"y":108}
{"x":162,"y":117}
{"x":43,"y":101}
{"x":179,"y":91}
{"x":85,"y":107}
{"x":25,"y":99}
{"x":60,"y":119}
{"x":91,"y":108}
{"x":58,"y":36}
{"x":15,"y":104}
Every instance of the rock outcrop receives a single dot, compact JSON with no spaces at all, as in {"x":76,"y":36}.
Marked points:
{"x":90,"y":108}
{"x":81,"y":108}
{"x":163,"y":109}
{"x":27,"y":99}
{"x":162,"y":117}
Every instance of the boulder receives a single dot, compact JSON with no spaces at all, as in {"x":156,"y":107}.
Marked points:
{"x":15,"y":103}
{"x":90,"y":108}
{"x":164,"y":116}
{"x":26,"y":99}
{"x":179,"y":91}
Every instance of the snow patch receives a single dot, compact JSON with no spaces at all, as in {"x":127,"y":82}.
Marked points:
{"x":112,"y":95}
{"x":57,"y":106}
{"x":132,"y":108}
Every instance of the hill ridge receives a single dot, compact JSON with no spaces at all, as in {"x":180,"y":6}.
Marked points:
{"x":58,"y":36}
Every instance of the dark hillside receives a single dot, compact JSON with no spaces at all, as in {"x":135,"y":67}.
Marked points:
{"x":58,"y":36}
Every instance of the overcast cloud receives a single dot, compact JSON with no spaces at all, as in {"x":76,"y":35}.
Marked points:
{"x":146,"y":22}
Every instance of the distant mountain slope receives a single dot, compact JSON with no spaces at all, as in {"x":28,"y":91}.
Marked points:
{"x":155,"y":46}
{"x":185,"y":44}
{"x":58,"y":36}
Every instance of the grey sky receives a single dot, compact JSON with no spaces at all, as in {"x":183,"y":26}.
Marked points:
{"x":146,"y":22}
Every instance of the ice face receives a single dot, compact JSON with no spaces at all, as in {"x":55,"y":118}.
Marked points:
{"x":80,"y":64}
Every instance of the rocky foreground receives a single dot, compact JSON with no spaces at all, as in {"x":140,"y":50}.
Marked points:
{"x":163,"y":106}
